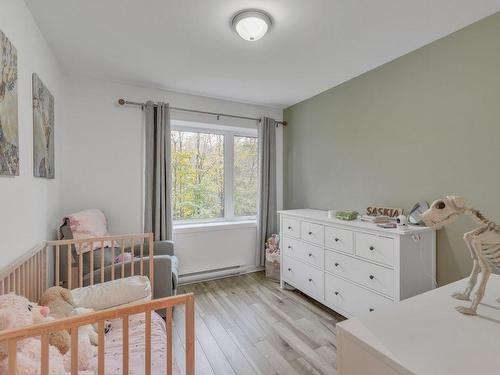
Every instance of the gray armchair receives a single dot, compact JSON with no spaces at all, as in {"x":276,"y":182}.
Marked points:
{"x":166,"y":266}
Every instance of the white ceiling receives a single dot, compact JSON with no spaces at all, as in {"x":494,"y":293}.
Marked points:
{"x":188,"y":46}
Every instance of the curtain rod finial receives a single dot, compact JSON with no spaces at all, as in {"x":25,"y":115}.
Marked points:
{"x":121,"y":101}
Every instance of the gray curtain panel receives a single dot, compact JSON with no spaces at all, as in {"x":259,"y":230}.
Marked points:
{"x":158,"y":207}
{"x":267,"y":216}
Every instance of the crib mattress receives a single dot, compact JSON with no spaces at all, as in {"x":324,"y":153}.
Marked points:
{"x":113,"y":348}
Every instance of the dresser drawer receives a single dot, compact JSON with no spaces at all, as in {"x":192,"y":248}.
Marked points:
{"x":304,"y":277}
{"x":291,"y":247}
{"x":312,"y":233}
{"x":372,"y":276}
{"x":339,"y":239}
{"x":291,"y":227}
{"x":313,"y":254}
{"x":352,"y":298}
{"x":376,"y":248}
{"x":306,"y":252}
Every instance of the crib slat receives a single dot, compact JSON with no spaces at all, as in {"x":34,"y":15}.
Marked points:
{"x":68,"y":256}
{"x":189,"y":335}
{"x":132,"y":244}
{"x":45,"y":354}
{"x":91,"y":263}
{"x":74,"y":351}
{"x":147,"y":339}
{"x":80,"y":265}
{"x":12,"y":354}
{"x":142,"y":256}
{"x":123,"y":260}
{"x":28,"y":279}
{"x":102,"y":261}
{"x":57,"y":264}
{"x":151,"y":265}
{"x":100,"y":355}
{"x":37,"y":276}
{"x":113,"y":259}
{"x":125,"y":345}
{"x":15,"y":281}
{"x":169,"y":341}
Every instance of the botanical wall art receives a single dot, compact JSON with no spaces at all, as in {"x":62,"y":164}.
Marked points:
{"x":43,"y":130}
{"x":9,"y":137}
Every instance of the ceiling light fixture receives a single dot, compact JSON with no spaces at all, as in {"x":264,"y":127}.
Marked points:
{"x":251,"y":24}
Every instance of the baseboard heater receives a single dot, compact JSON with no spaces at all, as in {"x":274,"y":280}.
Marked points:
{"x":218,"y":273}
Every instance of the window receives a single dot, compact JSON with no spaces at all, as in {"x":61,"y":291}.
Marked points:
{"x":214,"y":173}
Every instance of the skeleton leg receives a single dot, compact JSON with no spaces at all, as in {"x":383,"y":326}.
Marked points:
{"x":465,"y":296}
{"x":485,"y":275}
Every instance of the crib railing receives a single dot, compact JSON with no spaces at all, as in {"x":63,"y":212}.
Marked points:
{"x":27,"y":276}
{"x":134,"y":244}
{"x":73,"y":323}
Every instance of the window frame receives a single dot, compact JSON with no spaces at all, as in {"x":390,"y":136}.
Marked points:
{"x":229,"y":132}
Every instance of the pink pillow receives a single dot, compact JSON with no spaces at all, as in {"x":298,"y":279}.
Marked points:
{"x":87,"y":224}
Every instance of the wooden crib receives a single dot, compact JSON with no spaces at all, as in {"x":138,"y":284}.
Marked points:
{"x":31,"y":275}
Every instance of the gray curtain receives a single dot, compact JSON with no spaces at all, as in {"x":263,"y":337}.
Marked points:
{"x":158,"y":208}
{"x":267,"y":216}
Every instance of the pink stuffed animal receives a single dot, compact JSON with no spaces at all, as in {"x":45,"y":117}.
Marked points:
{"x":16,"y":312}
{"x":125,"y":258}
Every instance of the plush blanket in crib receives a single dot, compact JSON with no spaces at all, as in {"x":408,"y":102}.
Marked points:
{"x":113,"y":349}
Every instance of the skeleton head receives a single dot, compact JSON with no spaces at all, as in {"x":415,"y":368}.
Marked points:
{"x":444,"y":211}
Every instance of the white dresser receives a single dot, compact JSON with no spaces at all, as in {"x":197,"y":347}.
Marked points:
{"x":354,"y":267}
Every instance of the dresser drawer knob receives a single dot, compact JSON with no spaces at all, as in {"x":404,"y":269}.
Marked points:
{"x":310,"y":254}
{"x":310,"y":233}
{"x":289,"y":247}
{"x":289,"y":269}
{"x":371,"y":309}
{"x":372,"y":277}
{"x":372,"y":248}
{"x":337,"y":240}
{"x":336,"y":264}
{"x":310,"y":280}
{"x":290,"y":228}
{"x":336,"y":293}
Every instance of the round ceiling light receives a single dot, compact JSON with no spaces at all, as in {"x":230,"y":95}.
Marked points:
{"x":251,"y":24}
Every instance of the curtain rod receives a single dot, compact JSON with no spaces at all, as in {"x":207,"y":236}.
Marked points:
{"x":122,"y":102}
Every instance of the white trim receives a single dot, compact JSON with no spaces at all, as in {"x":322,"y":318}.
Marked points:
{"x":213,"y":226}
{"x":218,"y":274}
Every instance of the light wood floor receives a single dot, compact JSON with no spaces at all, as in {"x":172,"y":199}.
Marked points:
{"x":248,"y":325}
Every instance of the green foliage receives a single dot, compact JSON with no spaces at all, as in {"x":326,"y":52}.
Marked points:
{"x":198,"y":175}
{"x":245,"y":176}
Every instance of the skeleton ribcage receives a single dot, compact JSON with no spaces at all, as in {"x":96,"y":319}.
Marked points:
{"x":491,"y":251}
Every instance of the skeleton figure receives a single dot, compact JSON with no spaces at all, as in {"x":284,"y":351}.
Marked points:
{"x":483,"y":244}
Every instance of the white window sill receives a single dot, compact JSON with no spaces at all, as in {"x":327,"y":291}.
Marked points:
{"x":214,"y":226}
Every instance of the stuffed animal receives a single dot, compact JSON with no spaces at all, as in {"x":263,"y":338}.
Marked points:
{"x":123,"y":258}
{"x":17,"y":312}
{"x":60,"y":302}
{"x":91,"y":329}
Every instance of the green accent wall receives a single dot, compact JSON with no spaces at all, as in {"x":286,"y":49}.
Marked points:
{"x":417,"y":128}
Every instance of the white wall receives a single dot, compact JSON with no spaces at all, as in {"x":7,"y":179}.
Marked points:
{"x":103,"y":167}
{"x":29,"y":206}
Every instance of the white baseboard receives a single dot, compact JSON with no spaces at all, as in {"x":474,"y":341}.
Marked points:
{"x":217,"y":274}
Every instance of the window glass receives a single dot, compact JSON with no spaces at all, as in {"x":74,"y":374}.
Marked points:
{"x":245,"y":176}
{"x":197,"y":175}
